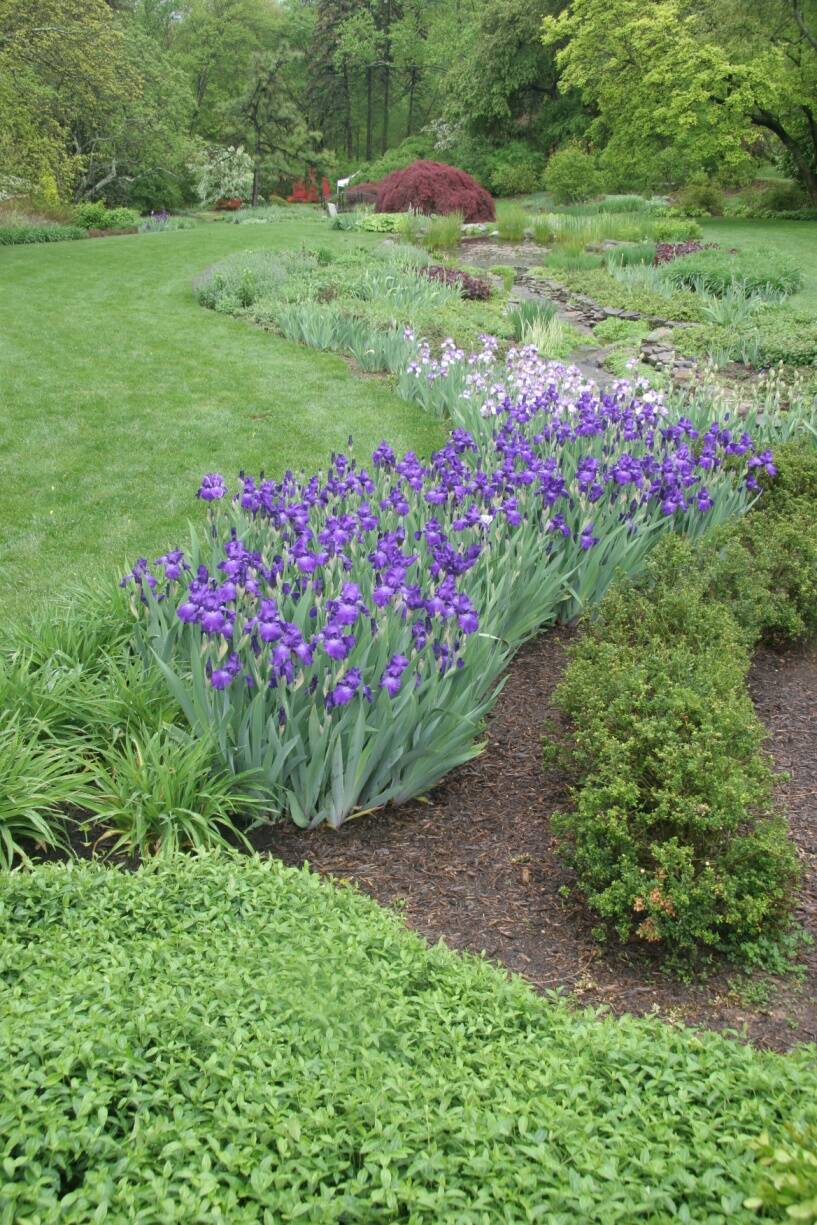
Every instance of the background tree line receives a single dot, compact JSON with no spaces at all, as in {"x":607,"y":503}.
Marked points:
{"x":114,"y":98}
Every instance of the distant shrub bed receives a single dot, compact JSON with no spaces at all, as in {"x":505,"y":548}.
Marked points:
{"x":673,"y":836}
{"x":96,"y":216}
{"x":221,"y":1040}
{"x":352,"y":301}
{"x":11,"y":236}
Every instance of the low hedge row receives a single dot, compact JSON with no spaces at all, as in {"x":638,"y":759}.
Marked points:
{"x":673,"y":833}
{"x":227,"y":1040}
{"x":14,"y":235}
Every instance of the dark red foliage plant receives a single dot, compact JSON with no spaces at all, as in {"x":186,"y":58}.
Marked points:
{"x":471,"y":287}
{"x":666,"y":251}
{"x":362,"y":193}
{"x":433,"y":187}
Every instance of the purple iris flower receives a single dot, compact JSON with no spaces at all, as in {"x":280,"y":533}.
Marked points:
{"x":212,"y":487}
{"x":587,"y":539}
{"x":344,"y":690}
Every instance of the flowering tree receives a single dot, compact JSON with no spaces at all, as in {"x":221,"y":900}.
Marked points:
{"x":223,"y":173}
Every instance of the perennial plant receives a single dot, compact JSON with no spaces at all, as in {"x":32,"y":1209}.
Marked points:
{"x":341,"y":635}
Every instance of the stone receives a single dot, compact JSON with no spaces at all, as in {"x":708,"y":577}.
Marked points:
{"x":682,"y":374}
{"x":659,"y":334}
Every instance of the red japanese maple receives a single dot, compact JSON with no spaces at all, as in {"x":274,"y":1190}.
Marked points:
{"x":433,"y":187}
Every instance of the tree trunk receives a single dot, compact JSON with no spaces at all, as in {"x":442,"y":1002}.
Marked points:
{"x":384,"y":144}
{"x":412,"y":87}
{"x":762,"y":119}
{"x":369,"y":113}
{"x":347,"y":108}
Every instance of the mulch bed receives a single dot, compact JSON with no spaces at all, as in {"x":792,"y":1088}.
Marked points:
{"x":475,"y":864}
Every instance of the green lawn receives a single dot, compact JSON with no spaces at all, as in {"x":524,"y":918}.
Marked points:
{"x":119,"y":391}
{"x":795,"y":239}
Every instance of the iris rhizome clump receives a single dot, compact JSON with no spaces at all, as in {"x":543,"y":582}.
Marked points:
{"x":342,"y":635}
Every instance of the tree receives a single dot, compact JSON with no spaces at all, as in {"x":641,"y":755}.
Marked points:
{"x":679,"y":86}
{"x":268,"y":118}
{"x":503,"y":82}
{"x":59,"y":60}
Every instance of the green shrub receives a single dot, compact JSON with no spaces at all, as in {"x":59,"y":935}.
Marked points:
{"x":672,"y":836}
{"x":795,"y":483}
{"x":766,"y":572}
{"x":782,"y":196}
{"x":676,"y":229}
{"x":612,"y":331}
{"x":121,"y":218}
{"x":571,"y":175}
{"x":756,"y":272}
{"x":700,"y":200}
{"x":11,"y":236}
{"x":511,"y":221}
{"x":219,"y":1039}
{"x":515,"y":170}
{"x":91,"y":214}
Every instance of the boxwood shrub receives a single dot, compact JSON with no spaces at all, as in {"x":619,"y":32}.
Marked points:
{"x":673,"y":835}
{"x":223,"y":1040}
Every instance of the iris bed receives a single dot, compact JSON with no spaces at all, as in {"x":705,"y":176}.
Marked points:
{"x":341,"y":635}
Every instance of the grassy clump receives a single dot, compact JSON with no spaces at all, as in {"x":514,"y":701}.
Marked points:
{"x":511,"y":220}
{"x":443,"y":233}
{"x":565,"y":259}
{"x":198,"y":1041}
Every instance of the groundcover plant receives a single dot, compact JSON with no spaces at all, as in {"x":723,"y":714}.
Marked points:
{"x":197,"y":1041}
{"x":341,"y":634}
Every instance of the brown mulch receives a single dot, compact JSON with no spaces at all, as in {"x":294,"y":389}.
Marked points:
{"x":475,"y":865}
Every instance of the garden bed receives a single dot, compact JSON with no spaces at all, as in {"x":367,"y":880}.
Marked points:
{"x":476,"y":864}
